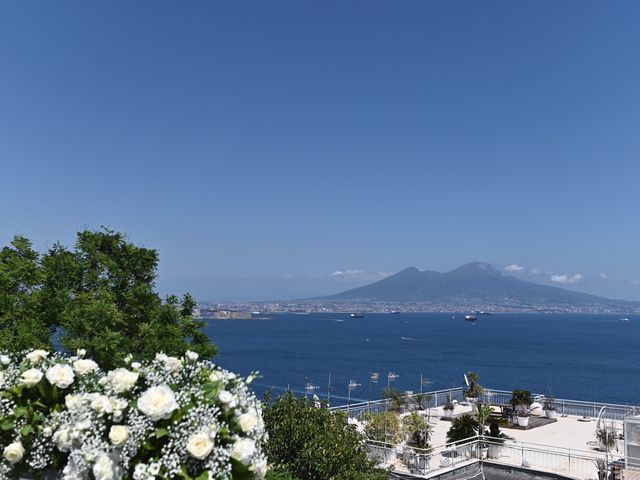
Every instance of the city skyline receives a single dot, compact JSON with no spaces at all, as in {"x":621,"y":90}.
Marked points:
{"x":263,"y":148}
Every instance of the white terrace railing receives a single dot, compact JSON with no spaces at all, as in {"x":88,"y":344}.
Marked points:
{"x":579,"y":464}
{"x":434,"y":399}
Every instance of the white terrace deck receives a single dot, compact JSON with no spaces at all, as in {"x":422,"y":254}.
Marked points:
{"x":568,"y":433}
{"x":567,"y":447}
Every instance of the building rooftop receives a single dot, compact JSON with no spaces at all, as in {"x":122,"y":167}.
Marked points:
{"x":566,"y":445}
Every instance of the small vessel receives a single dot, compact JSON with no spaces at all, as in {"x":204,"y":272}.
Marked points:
{"x":356,"y":315}
{"x":623,"y":320}
{"x":470,"y":318}
{"x":395,"y":312}
{"x":255,"y":313}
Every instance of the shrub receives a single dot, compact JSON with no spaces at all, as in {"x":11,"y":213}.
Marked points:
{"x":463,"y":427}
{"x":170,"y":417}
{"x":309,"y":442}
{"x":383,"y":426}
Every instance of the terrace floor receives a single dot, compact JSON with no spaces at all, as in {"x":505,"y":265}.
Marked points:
{"x":567,"y":447}
{"x":567,"y":433}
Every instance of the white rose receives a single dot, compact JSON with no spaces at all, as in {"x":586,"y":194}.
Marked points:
{"x":37,"y":356}
{"x":243,"y":449}
{"x":227,"y":398}
{"x":103,"y":468}
{"x":31,"y":377}
{"x":73,"y":401}
{"x":122,"y":380}
{"x":60,"y":375}
{"x":136,"y":365}
{"x":158,"y":402}
{"x":154,"y":468}
{"x":102,"y":404}
{"x":118,"y":434}
{"x":81,"y":352}
{"x":47,"y":432}
{"x":13,"y":452}
{"x":84,"y":366}
{"x":140,"y":471}
{"x":193,"y":356}
{"x":216,"y":376}
{"x":5,"y":359}
{"x":172,"y":364}
{"x":248,"y":421}
{"x":161,"y":356}
{"x":199,"y":445}
{"x":260,"y":469}
{"x":1,"y":379}
{"x":80,"y":426}
{"x":62,"y":439}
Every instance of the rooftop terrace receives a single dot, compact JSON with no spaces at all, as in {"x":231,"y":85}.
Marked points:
{"x":566,"y":446}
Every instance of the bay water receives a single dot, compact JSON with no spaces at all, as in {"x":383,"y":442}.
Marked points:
{"x":576,"y":356}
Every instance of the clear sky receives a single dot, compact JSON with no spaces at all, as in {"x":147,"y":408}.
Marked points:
{"x":263,"y":146}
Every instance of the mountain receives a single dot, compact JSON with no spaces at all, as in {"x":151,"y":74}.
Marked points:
{"x":475,"y":284}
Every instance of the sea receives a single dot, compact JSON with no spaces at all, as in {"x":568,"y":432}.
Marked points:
{"x":573,"y":356}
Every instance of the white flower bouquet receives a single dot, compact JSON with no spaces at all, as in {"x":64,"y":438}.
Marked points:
{"x":64,"y":418}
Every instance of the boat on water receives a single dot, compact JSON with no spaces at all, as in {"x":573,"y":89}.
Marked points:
{"x":395,"y":312}
{"x":470,"y":318}
{"x":356,"y":315}
{"x":623,"y":320}
{"x":256,"y":313}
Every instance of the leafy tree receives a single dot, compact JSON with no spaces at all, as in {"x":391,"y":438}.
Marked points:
{"x":99,"y":296}
{"x":463,"y":427}
{"x":23,"y":321}
{"x":275,"y":474}
{"x":309,"y":442}
{"x":383,"y":426}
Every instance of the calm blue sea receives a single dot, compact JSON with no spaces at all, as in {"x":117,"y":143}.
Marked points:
{"x":585,"y":357}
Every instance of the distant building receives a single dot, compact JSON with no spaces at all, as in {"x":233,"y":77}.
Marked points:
{"x":231,"y":315}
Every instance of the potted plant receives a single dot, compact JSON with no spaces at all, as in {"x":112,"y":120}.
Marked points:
{"x":607,"y":438}
{"x":549,"y":406}
{"x":448,"y":408}
{"x":520,"y":400}
{"x":496,"y":439}
{"x":473,"y":391}
{"x":417,"y":432}
{"x":483,"y":416}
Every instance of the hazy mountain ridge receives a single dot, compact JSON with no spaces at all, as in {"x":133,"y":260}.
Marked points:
{"x":475,"y":282}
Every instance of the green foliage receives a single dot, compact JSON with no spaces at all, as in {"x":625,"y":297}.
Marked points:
{"x":100,"y":296}
{"x":416,"y":430}
{"x":497,"y":436}
{"x":383,"y":426}
{"x":607,"y":436}
{"x":483,"y":416}
{"x":24,"y":322}
{"x":449,"y":405}
{"x":276,"y":474}
{"x":520,"y":399}
{"x":396,"y":399}
{"x":463,"y":427}
{"x":308,"y":442}
{"x":422,"y":400}
{"x":474,"y":390}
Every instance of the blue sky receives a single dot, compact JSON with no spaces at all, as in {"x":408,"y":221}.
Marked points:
{"x":263,"y":146}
